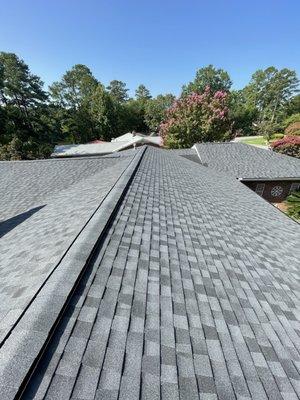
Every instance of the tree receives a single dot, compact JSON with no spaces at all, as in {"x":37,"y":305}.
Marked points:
{"x":73,"y":94}
{"x":22,"y":100}
{"x":216,"y":79}
{"x":197,"y":118}
{"x":269,"y":92}
{"x":104,"y":113}
{"x":132,"y":115}
{"x":155,"y":110}
{"x":118,"y":91}
{"x":75,"y":87}
{"x":142,"y":93}
{"x":293,"y":106}
{"x":242,"y":114}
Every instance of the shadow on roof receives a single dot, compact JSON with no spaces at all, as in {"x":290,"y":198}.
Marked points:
{"x":11,"y":223}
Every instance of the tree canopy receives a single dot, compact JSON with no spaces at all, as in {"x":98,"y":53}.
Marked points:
{"x":142,"y":93}
{"x":79,"y":108}
{"x":118,"y":91}
{"x":215,"y":79}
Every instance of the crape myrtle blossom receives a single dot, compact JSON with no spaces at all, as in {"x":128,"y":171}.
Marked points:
{"x":198,"y":117}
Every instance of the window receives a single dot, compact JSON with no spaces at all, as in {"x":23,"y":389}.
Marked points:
{"x":295,"y":186}
{"x":276,"y":191}
{"x":260,"y":187}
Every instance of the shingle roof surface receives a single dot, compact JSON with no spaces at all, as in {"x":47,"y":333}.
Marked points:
{"x":44,"y":206}
{"x":194,"y":295}
{"x":245,"y":161}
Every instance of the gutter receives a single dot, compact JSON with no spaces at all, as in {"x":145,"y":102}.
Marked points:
{"x":268,"y":179}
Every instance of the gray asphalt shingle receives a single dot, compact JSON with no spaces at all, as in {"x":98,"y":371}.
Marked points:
{"x":192,"y":295}
{"x":65,"y":194}
{"x":244,"y":161}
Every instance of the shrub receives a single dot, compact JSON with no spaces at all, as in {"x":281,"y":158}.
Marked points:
{"x":197,"y":118}
{"x":293,"y":203}
{"x":289,"y":145}
{"x":293,"y":129}
{"x":290,"y":120}
{"x":292,"y":125}
{"x":277,"y":136}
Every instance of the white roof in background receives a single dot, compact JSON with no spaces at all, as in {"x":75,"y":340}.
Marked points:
{"x":73,"y":150}
{"x":129,"y":136}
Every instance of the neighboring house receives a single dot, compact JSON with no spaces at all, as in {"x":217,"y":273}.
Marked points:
{"x":128,"y":141}
{"x":271,"y":175}
{"x":144,"y":275}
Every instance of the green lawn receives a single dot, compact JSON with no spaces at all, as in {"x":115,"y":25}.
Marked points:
{"x":258,"y":140}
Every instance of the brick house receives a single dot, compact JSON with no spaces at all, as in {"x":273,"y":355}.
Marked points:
{"x":271,"y":175}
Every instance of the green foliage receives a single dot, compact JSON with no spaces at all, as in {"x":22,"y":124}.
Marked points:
{"x":133,"y":116}
{"x":277,"y":136}
{"x":118,"y":91}
{"x":78,"y":109}
{"x":243,"y":114}
{"x":293,"y":203}
{"x":266,"y":128}
{"x":292,"y":125}
{"x":155,"y":110}
{"x":75,"y":87}
{"x":291,"y":119}
{"x":216,"y":79}
{"x":142,"y":93}
{"x":104,"y":113}
{"x":22,"y":100}
{"x":269,"y":92}
{"x":293,"y":105}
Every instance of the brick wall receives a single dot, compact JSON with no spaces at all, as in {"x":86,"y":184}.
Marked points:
{"x":272,"y":191}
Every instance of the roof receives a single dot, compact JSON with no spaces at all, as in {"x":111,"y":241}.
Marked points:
{"x":188,"y":292}
{"x":123,"y":142}
{"x":130,"y":135}
{"x":45,"y":205}
{"x":247,"y":162}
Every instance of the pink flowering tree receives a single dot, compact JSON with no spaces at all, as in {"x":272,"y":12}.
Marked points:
{"x":196,"y":118}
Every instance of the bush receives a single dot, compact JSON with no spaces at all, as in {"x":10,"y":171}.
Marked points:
{"x":292,"y":125}
{"x":293,"y":203}
{"x":277,"y":136}
{"x":289,"y":145}
{"x":290,"y":120}
{"x":293,"y":129}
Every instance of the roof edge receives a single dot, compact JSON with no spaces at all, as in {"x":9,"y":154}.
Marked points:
{"x":270,"y":179}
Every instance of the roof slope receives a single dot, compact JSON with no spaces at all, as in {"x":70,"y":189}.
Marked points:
{"x":124,"y":142}
{"x":44,"y":206}
{"x":247,"y":162}
{"x":192,"y":295}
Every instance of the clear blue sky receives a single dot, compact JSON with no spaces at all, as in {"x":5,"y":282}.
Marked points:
{"x":158,"y":43}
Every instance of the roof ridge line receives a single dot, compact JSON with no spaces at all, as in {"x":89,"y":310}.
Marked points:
{"x":57,"y":289}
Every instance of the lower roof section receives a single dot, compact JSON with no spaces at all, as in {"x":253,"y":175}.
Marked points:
{"x":194,"y":294}
{"x":47,"y":204}
{"x":247,"y":162}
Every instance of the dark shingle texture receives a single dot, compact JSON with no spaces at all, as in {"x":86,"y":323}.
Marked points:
{"x":244,"y":161}
{"x":69,"y":193}
{"x":193,"y":296}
